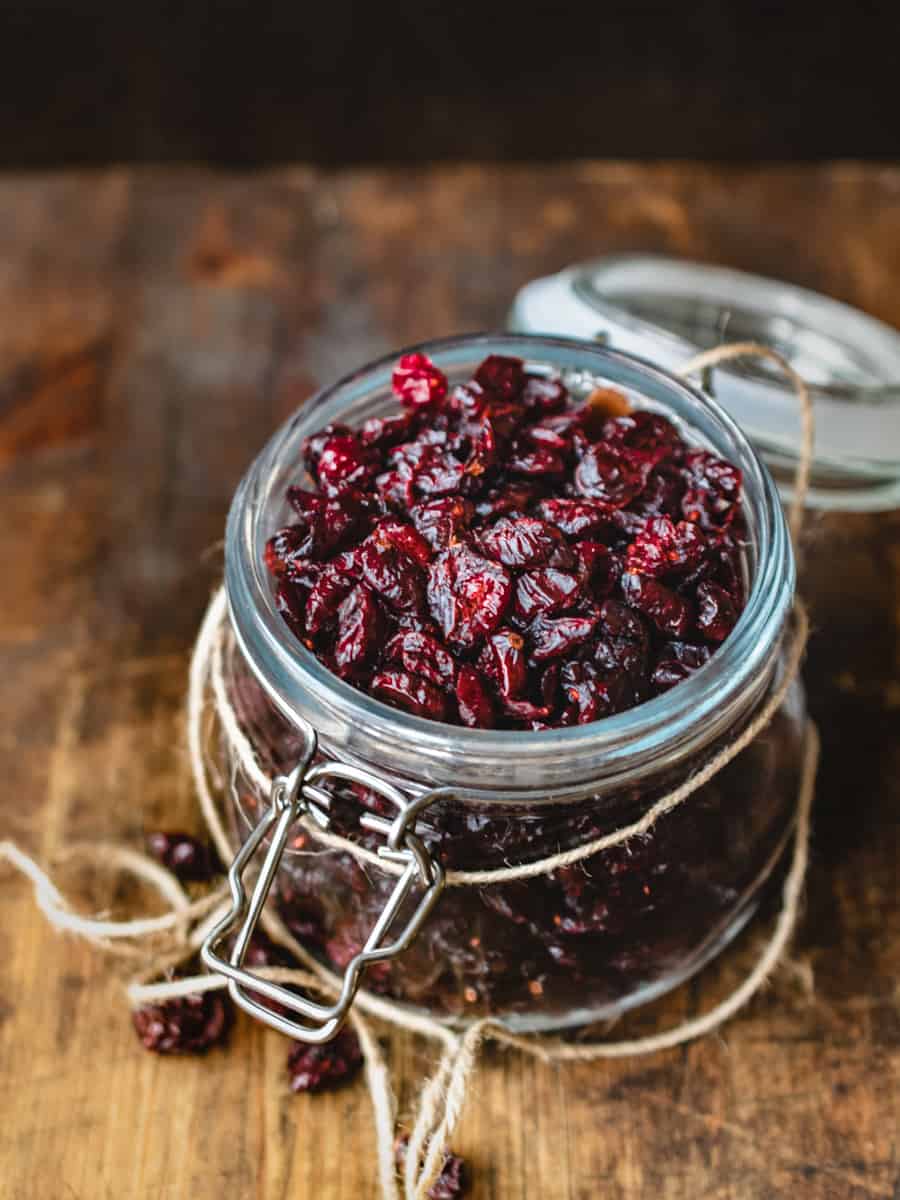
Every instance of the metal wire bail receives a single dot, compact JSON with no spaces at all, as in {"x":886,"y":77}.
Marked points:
{"x":292,"y":797}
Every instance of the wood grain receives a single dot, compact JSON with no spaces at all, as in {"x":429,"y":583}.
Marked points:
{"x":154,"y":328}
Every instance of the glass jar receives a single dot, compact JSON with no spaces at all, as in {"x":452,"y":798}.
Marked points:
{"x":587,"y":941}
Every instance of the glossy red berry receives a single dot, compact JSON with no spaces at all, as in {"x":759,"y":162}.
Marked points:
{"x":418,"y":382}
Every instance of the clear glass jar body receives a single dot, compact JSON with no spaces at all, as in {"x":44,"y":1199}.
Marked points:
{"x":588,"y":940}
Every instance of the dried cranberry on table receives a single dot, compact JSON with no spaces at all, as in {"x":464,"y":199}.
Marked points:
{"x":454,"y":1179}
{"x":504,"y":554}
{"x":188,"y":858}
{"x":186,"y":1025}
{"x":315,"y":1068}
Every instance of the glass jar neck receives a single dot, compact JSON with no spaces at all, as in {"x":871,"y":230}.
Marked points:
{"x":545,"y":765}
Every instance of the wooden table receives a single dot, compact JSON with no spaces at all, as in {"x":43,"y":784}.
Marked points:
{"x":154,"y":328}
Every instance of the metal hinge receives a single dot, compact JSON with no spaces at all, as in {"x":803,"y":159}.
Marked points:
{"x":293,"y":796}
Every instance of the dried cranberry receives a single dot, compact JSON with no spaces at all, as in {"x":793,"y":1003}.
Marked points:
{"x":344,"y":460}
{"x":520,"y":542}
{"x":645,"y":431}
{"x":547,"y":590}
{"x":416,"y":696}
{"x":186,"y":1025}
{"x":393,"y":576}
{"x":473,"y":699}
{"x":453,"y":1180}
{"x":359,"y":629}
{"x":542,"y":396}
{"x":441,"y":521}
{"x":188,"y":858}
{"x":576,"y":518}
{"x":290,"y":601}
{"x":326,"y":597}
{"x":502,"y":376}
{"x":677,"y":660}
{"x":420,"y":653}
{"x":551,"y":638}
{"x":316,"y":1068}
{"x":540,"y":460}
{"x":714,"y":489}
{"x":384,"y":432}
{"x":663,"y":549}
{"x":611,"y":475}
{"x":506,"y":649}
{"x":716,"y":614}
{"x":402,"y":537}
{"x":418,"y":382}
{"x":598,"y":567}
{"x":669,"y":612}
{"x":467,"y":558}
{"x":467,"y":594}
{"x":313,"y":446}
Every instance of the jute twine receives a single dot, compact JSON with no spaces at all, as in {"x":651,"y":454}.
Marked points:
{"x":172,"y":938}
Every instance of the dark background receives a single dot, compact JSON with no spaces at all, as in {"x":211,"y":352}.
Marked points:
{"x":340,"y":82}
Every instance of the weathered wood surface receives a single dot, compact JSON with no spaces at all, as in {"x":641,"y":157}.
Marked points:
{"x":154,"y":328}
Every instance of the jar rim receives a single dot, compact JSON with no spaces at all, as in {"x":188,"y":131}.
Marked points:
{"x":422,"y":752}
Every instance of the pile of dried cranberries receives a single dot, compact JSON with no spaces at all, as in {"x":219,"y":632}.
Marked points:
{"x":499,"y":555}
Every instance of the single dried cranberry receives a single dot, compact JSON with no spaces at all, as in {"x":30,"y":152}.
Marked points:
{"x":645,"y":431}
{"x":663,"y":549}
{"x":467,"y":594}
{"x":540,"y":460}
{"x":284,"y":547}
{"x":186,"y":1025}
{"x":402,"y":537}
{"x":473,"y":699}
{"x":468,"y":400}
{"x":669,"y":612}
{"x":611,"y":475}
{"x":453,"y":1180}
{"x":359,"y":629}
{"x":597,"y":566}
{"x":442,"y":521}
{"x":290,"y":602}
{"x":392,"y":575}
{"x":316,"y":1068}
{"x":420,"y":653}
{"x":713,"y":493}
{"x":416,"y":696}
{"x":384,"y":432}
{"x":552,"y":637}
{"x":326,"y":597}
{"x":576,"y":518}
{"x":344,"y":460}
{"x":188,"y":858}
{"x":313,"y":446}
{"x":520,"y":542}
{"x":508,"y":499}
{"x":501,"y":375}
{"x":678,"y":660}
{"x":542,"y":396}
{"x":418,"y":382}
{"x":507,"y":656}
{"x":546,"y":590}
{"x":716,"y":614}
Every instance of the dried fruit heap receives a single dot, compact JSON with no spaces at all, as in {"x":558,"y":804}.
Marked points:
{"x":500,"y":555}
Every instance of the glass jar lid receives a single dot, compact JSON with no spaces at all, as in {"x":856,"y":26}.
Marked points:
{"x":666,"y":311}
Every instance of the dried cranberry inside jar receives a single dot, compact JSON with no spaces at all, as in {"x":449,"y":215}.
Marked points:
{"x":504,"y":554}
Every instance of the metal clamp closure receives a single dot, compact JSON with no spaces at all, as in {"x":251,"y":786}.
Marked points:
{"x":297,"y":795}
